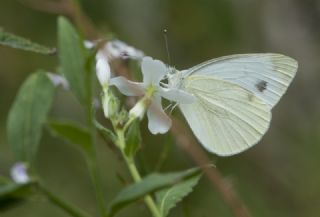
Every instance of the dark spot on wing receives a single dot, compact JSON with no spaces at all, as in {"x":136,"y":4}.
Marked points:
{"x":261,"y":85}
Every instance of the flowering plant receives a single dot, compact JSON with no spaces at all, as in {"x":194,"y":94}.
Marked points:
{"x":81,"y":63}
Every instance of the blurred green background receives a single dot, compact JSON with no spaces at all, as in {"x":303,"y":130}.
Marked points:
{"x":278,"y":177}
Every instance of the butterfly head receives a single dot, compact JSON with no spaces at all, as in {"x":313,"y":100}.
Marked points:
{"x":175,"y":78}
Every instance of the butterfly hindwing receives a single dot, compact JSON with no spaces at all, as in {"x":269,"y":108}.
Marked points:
{"x":226,"y":118}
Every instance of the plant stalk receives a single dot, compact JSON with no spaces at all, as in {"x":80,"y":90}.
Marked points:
{"x":135,"y":174}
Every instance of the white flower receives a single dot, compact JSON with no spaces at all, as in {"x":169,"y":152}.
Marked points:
{"x":19,"y":173}
{"x":153,"y":72}
{"x":119,"y":49}
{"x":112,"y":49}
{"x":58,"y":80}
{"x":89,"y":44}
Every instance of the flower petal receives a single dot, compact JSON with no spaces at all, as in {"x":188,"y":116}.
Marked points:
{"x":89,"y":44}
{"x":58,"y":80}
{"x":176,"y":95}
{"x":153,"y":70}
{"x":119,"y":49}
{"x":138,"y":110}
{"x":127,"y":87}
{"x":158,"y":120}
{"x":103,"y":68}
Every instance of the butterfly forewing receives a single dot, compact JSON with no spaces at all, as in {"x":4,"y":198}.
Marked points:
{"x":265,"y":75}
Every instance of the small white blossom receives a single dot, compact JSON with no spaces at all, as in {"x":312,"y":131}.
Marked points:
{"x":19,"y":173}
{"x":119,"y":49}
{"x":111,"y":50}
{"x":153,"y":72}
{"x":58,"y":80}
{"x":102,"y":63}
{"x":89,"y":44}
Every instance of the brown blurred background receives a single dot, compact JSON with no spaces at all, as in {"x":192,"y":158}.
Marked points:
{"x":278,"y":177}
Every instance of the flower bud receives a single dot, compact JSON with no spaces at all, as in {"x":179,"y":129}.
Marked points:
{"x":138,"y":110}
{"x":110,"y":104}
{"x":102,"y":68}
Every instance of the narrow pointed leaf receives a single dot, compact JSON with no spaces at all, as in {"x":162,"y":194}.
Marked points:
{"x":105,"y":132}
{"x":28,"y":114}
{"x":73,"y":59}
{"x":147,"y":185}
{"x":13,"y":194}
{"x":169,"y":197}
{"x":72,"y":132}
{"x":12,"y":189}
{"x":11,"y":40}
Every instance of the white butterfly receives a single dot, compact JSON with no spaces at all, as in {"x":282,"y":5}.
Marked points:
{"x":234,"y":98}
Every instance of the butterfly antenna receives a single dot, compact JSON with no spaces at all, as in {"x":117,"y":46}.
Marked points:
{"x":165,"y":35}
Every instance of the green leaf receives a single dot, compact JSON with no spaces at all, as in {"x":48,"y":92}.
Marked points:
{"x":169,"y":197}
{"x":12,"y":189}
{"x":105,"y":132}
{"x":28,"y":114}
{"x":149,"y":184}
{"x":12,"y":194}
{"x":71,"y":132}
{"x":74,"y":59}
{"x":11,"y":40}
{"x":4,"y":180}
{"x":133,"y":138}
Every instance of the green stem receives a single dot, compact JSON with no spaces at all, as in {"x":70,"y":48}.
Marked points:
{"x":136,"y":176}
{"x":64,"y":205}
{"x":147,"y":199}
{"x":129,"y":122}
